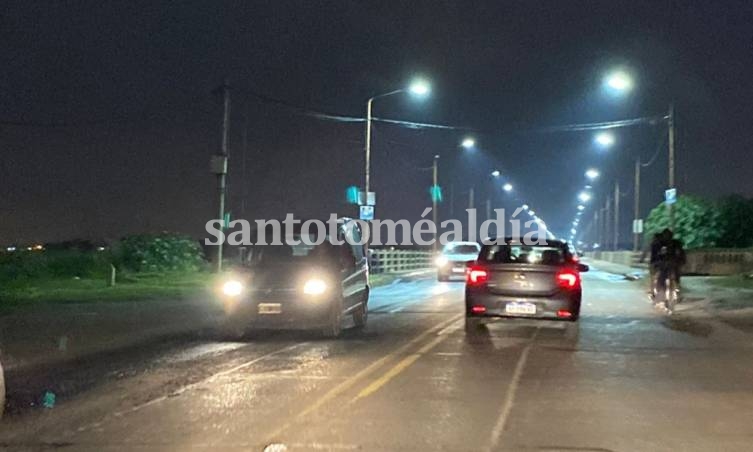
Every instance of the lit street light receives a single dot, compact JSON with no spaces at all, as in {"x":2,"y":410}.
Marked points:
{"x":468,"y":143}
{"x":592,"y":174}
{"x":584,"y":197}
{"x":581,"y":207}
{"x":618,"y":82}
{"x":605,"y":139}
{"x":495,"y":173}
{"x":419,"y":88}
{"x":507,"y":187}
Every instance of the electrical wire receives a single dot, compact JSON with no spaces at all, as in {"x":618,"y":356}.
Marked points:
{"x":656,"y":154}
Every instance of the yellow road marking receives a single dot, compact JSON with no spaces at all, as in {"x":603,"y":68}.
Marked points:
{"x":348,"y":383}
{"x":397,"y":369}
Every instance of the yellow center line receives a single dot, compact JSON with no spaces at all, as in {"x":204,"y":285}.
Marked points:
{"x":363,"y":373}
{"x":398,"y":368}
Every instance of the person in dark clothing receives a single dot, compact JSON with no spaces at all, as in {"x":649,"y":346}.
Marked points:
{"x":668,"y":253}
{"x":652,"y":251}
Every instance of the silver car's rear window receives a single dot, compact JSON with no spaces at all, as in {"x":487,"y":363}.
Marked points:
{"x":523,"y":254}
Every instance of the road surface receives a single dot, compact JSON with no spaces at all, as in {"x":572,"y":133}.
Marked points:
{"x":628,"y":379}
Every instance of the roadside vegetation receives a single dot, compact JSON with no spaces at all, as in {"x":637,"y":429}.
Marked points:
{"x":144,"y":267}
{"x":701,"y":223}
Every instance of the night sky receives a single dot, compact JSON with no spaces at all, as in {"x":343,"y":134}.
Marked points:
{"x":108,"y":121}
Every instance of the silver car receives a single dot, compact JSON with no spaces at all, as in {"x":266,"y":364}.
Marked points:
{"x":512,"y":279}
{"x":453,"y":259}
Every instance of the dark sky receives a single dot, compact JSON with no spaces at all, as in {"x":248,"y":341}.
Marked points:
{"x":129,"y":84}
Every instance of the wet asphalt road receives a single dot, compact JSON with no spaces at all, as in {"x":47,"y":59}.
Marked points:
{"x":627,"y":378}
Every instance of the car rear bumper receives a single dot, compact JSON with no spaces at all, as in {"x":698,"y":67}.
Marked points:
{"x":562,"y":306}
{"x":453,"y":269}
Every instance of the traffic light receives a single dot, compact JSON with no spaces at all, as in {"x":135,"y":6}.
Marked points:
{"x":351,"y":195}
{"x":436,"y":193}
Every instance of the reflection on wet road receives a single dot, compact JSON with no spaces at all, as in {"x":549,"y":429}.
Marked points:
{"x":625,"y":379}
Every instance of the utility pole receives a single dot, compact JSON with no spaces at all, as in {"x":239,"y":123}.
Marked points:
{"x":596,"y":226}
{"x":244,"y":149}
{"x":637,"y":205}
{"x":434,"y":191}
{"x":470,"y":207}
{"x":607,"y":219}
{"x":616,"y":215}
{"x":452,"y":200}
{"x":367,"y":165}
{"x":671,"y":165}
{"x":222,"y":176}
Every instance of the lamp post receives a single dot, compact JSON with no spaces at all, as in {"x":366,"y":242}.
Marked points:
{"x":418,"y":88}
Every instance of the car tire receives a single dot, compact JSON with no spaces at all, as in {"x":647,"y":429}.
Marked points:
{"x":233,"y":330}
{"x":2,"y":391}
{"x":361,"y":315}
{"x":473,"y":325}
{"x":334,"y":327}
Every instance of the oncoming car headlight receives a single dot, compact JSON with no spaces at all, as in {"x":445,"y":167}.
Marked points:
{"x":314,"y":286}
{"x":232,"y":288}
{"x":441,"y":261}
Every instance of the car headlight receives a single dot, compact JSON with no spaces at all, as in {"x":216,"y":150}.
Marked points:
{"x":441,"y":261}
{"x":314,"y":286}
{"x":232,"y":288}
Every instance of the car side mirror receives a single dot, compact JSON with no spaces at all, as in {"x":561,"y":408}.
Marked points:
{"x":583,"y":268}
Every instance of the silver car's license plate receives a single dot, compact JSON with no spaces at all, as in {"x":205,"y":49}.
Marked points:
{"x":270,"y":308}
{"x":520,"y":308}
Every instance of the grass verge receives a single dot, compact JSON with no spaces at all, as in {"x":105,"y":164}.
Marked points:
{"x":83,"y":290}
{"x":732,"y":282}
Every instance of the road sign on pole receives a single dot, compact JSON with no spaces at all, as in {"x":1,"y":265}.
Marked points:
{"x":367,"y":199}
{"x":638,"y":226}
{"x":366,"y":213}
{"x":670,"y":196}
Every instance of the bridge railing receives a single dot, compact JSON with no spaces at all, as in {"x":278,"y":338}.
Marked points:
{"x":389,"y":260}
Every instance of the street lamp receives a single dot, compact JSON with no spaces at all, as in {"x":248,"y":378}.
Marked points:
{"x":468,"y":143}
{"x":507,"y":187}
{"x":495,"y":173}
{"x":618,"y":82}
{"x":419,"y":88}
{"x":584,"y":197}
{"x":604,"y":139}
{"x":592,"y":174}
{"x":581,"y":207}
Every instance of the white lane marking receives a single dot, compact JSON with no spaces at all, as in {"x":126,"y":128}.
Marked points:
{"x":187,"y":387}
{"x":398,"y":309}
{"x":499,"y":427}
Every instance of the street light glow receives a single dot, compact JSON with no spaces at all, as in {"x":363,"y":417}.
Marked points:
{"x":495,"y":173}
{"x":619,"y":82}
{"x":468,"y":143}
{"x":419,"y":88}
{"x":592,"y":174}
{"x":507,"y":187}
{"x":605,"y":139}
{"x":581,"y":207}
{"x":584,"y":197}
{"x":524,"y":206}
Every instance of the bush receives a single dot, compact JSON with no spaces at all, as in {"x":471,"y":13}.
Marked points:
{"x":25,"y":265}
{"x":159,"y":252}
{"x":697,"y":222}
